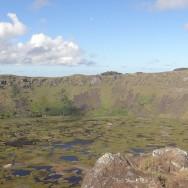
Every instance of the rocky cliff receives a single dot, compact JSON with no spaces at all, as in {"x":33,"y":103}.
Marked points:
{"x":141,"y":94}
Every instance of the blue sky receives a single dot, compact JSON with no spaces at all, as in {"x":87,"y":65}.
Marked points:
{"x":96,"y":36}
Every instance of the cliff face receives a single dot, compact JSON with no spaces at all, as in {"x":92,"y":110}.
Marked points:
{"x":141,"y":94}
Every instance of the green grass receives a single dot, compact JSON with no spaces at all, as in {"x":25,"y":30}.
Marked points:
{"x":109,"y":134}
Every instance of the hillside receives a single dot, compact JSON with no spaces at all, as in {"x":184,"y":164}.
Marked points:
{"x":141,"y":94}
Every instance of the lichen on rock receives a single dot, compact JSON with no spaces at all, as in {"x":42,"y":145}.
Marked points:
{"x":165,"y":167}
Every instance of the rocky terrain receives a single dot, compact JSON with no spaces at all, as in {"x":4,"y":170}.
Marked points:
{"x":141,"y":94}
{"x":107,"y":113}
{"x":57,"y":151}
{"x":166,"y":167}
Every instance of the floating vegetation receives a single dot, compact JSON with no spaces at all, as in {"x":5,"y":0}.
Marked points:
{"x":56,"y":151}
{"x":71,"y":144}
{"x":20,"y":142}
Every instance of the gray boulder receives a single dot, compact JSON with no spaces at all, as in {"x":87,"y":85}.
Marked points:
{"x":166,"y":167}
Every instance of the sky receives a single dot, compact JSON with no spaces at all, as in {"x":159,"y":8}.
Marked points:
{"x":65,"y":37}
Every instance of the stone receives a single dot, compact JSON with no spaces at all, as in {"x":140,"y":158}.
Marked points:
{"x":174,"y":157}
{"x":165,"y":167}
{"x":7,"y":166}
{"x":115,"y":171}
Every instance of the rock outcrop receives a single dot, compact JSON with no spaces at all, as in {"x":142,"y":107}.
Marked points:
{"x":166,"y":167}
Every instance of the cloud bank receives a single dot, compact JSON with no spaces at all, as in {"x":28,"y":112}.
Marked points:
{"x":170,"y":4}
{"x":40,"y":49}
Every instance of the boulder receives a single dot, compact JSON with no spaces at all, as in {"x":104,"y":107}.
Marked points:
{"x":7,"y":166}
{"x":115,"y":171}
{"x":165,"y":167}
{"x":174,"y":159}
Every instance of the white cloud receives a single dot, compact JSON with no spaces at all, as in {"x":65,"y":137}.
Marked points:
{"x":40,"y":3}
{"x":40,"y":49}
{"x":13,"y":28}
{"x":170,"y":4}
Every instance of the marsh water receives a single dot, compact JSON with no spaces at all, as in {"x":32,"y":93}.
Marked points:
{"x":56,"y":151}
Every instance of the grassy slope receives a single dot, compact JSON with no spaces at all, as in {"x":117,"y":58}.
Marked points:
{"x":160,"y":94}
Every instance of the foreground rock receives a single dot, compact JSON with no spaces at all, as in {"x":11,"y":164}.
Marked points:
{"x":166,"y":167}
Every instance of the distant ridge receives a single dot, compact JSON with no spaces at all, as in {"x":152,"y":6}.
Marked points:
{"x":144,"y":94}
{"x":181,"y":69}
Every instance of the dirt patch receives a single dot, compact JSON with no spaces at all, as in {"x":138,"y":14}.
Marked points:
{"x":88,"y":100}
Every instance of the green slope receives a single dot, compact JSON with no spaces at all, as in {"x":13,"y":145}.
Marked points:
{"x":141,"y":94}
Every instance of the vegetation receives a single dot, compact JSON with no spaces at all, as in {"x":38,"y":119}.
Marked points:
{"x":110,"y":73}
{"x":142,"y":95}
{"x":52,"y":129}
{"x":39,"y":148}
{"x":181,"y":69}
